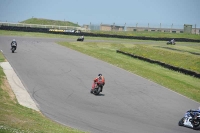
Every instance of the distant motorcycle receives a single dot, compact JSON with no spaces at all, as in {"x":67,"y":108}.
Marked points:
{"x":191,"y":119}
{"x":80,"y":39}
{"x":171,"y":42}
{"x":13,"y":48}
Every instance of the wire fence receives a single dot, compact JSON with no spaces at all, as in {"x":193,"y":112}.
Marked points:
{"x":161,"y":27}
{"x":95,"y":26}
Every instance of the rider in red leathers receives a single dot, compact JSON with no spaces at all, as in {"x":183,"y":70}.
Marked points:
{"x":99,"y":79}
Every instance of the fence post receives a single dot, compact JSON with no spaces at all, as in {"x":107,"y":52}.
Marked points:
{"x":160,"y":27}
{"x":136,"y":26}
{"x":125,"y":27}
{"x":171,"y":28}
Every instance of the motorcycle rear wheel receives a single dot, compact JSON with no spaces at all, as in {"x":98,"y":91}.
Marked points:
{"x":196,"y":126}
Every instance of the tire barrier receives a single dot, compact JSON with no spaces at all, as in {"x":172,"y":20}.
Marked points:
{"x":185,"y":71}
{"x":139,"y":37}
{"x":79,"y":33}
{"x":26,"y":29}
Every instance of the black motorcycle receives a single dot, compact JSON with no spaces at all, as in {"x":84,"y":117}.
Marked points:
{"x":13,"y":48}
{"x":191,"y":119}
{"x":80,"y":39}
{"x":170,"y":42}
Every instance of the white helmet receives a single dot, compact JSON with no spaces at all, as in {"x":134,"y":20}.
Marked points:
{"x":14,"y":40}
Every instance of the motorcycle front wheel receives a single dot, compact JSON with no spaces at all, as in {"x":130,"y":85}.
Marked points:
{"x":180,"y":123}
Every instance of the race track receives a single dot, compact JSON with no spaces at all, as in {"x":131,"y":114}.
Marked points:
{"x":59,"y":81}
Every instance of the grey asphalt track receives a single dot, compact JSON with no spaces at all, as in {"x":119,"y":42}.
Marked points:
{"x":59,"y":80}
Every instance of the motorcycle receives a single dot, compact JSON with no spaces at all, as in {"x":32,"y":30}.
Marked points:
{"x":170,"y":42}
{"x":191,"y":119}
{"x":13,"y":48}
{"x":80,"y":39}
{"x":98,"y":88}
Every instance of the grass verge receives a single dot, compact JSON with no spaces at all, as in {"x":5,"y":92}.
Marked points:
{"x":174,"y":56}
{"x":151,"y":34}
{"x":49,"y":22}
{"x":15,"y":118}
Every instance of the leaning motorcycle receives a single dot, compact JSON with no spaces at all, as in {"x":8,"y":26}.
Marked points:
{"x":191,"y":120}
{"x":170,"y":42}
{"x":13,"y":48}
{"x":80,"y":39}
{"x":98,"y":88}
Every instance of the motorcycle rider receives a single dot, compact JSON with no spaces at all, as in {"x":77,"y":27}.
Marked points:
{"x":14,"y":44}
{"x":194,"y":113}
{"x":172,"y":41}
{"x":98,"y":79}
{"x":82,"y":37}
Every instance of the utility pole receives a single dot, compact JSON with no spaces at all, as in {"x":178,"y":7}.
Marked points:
{"x":125,"y":27}
{"x":160,"y":27}
{"x":136,"y":26}
{"x":171,"y":27}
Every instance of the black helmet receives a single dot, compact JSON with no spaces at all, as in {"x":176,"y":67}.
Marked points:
{"x":99,"y":74}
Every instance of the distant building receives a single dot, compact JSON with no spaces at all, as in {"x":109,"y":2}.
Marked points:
{"x":154,"y":29}
{"x":87,"y":27}
{"x":196,"y":31}
{"x":187,"y":28}
{"x":105,"y":27}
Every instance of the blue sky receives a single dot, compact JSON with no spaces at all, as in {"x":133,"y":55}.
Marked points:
{"x":131,"y":12}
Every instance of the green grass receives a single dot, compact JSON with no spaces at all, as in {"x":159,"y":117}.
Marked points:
{"x":2,"y":59}
{"x":178,"y":57}
{"x":49,"y":22}
{"x":151,"y":34}
{"x":15,"y":118}
{"x":178,"y":82}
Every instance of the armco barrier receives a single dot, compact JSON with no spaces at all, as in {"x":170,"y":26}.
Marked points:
{"x":46,"y":30}
{"x":187,"y":72}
